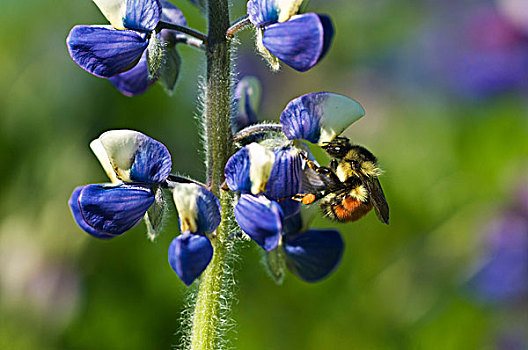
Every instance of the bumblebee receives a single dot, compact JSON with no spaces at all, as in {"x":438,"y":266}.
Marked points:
{"x":349,"y":187}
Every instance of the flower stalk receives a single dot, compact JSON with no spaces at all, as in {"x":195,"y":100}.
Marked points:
{"x":207,"y":316}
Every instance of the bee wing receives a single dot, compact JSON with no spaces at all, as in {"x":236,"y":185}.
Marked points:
{"x":377,"y":197}
{"x":312,"y":182}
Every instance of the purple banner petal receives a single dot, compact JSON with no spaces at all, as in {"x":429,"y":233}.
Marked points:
{"x":237,"y":171}
{"x":285,"y":177}
{"x":136,"y":157}
{"x":262,"y":12}
{"x":319,"y":117}
{"x":142,"y":15}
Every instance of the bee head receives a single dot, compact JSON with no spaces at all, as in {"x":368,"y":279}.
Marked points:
{"x":338,"y":148}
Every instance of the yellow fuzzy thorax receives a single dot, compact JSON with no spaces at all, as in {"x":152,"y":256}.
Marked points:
{"x":360,"y":193}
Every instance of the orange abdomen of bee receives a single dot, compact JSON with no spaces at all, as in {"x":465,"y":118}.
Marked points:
{"x":351,"y":209}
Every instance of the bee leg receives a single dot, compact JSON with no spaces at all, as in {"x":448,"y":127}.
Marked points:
{"x":333,"y":164}
{"x":308,"y":198}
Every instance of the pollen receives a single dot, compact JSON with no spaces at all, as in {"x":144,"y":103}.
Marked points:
{"x":309,"y":198}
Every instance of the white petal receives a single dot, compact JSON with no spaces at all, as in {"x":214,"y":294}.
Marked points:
{"x":288,"y":8}
{"x":339,"y":112}
{"x":185,"y":200}
{"x":261,"y":162}
{"x":100,"y":153}
{"x":121,"y":147}
{"x":113,"y":10}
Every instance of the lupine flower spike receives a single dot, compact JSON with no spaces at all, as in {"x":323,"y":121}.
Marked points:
{"x":298,"y":40}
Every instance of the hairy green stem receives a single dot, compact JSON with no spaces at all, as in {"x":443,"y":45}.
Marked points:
{"x":207,"y":318}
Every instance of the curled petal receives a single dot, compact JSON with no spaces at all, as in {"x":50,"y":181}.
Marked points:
{"x":301,"y":42}
{"x":108,"y":209}
{"x":142,"y":15}
{"x":260,"y":219}
{"x":247,"y":97}
{"x":249,"y":169}
{"x":104,"y":51}
{"x":319,"y":117}
{"x":113,"y":10}
{"x":262,"y":12}
{"x":189,"y":256}
{"x":198,"y":209}
{"x":133,"y":156}
{"x":135,"y":81}
{"x":314,"y":254}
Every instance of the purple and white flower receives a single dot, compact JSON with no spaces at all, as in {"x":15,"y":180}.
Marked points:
{"x":298,"y":40}
{"x":120,"y":52}
{"x":139,"y":168}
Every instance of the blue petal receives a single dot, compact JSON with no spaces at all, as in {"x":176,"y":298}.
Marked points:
{"x":79,"y":219}
{"x":135,"y":81}
{"x":142,"y":15}
{"x":319,"y":117}
{"x":262,"y":12}
{"x":247,"y":97}
{"x":189,"y":256}
{"x":136,"y":157}
{"x":300,"y":42}
{"x":237,"y":171}
{"x":173,"y":15}
{"x":260,"y":219}
{"x":152,"y":162}
{"x":249,"y":169}
{"x":112,"y":209}
{"x":314,"y":254}
{"x":104,"y":51}
{"x":286,"y":174}
{"x":209,"y":211}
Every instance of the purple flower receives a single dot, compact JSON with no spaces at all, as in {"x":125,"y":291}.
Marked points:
{"x":503,"y":272}
{"x":319,"y":117}
{"x":135,"y":164}
{"x":199,"y":214}
{"x":120,"y":52}
{"x":247,"y":99}
{"x":139,"y":168}
{"x":300,"y":41}
{"x":267,"y":174}
{"x":265,"y":178}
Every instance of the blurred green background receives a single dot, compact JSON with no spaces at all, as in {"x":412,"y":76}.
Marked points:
{"x":453,"y":161}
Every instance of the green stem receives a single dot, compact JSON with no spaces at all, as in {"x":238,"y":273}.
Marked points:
{"x":207,"y":318}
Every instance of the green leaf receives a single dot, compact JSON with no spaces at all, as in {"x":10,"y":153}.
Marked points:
{"x":155,"y":56}
{"x":170,"y":69}
{"x":276,"y":264}
{"x":154,"y":217}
